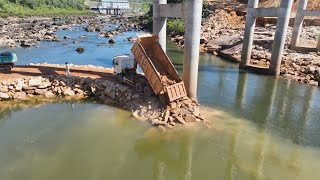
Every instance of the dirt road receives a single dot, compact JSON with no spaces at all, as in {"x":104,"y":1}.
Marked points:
{"x":44,"y":70}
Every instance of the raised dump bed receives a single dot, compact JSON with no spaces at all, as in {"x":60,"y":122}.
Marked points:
{"x":158,"y":68}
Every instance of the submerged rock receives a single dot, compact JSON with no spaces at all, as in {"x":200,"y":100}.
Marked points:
{"x":80,"y":50}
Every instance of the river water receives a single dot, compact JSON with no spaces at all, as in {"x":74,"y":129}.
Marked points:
{"x":263,"y":128}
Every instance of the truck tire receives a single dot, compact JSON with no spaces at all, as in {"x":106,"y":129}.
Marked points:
{"x":8,"y":68}
{"x":147,"y":91}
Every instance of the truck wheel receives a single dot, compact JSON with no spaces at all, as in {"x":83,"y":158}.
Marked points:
{"x":8,"y":68}
{"x":147,"y":91}
{"x":139,"y":87}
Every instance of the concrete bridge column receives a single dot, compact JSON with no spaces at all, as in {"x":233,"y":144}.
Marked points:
{"x":248,"y":33}
{"x":192,"y":46}
{"x":280,"y":36}
{"x":160,"y":23}
{"x":298,"y":22}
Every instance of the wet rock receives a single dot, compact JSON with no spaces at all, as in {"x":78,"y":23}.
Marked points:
{"x":25,"y":43}
{"x":138,"y":116}
{"x":49,"y":95}
{"x":310,"y":70}
{"x":111,"y":41}
{"x":80,"y":50}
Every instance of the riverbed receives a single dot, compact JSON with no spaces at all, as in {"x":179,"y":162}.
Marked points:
{"x":263,"y":128}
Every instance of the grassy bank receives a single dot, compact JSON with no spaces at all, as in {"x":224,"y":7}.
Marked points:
{"x":16,"y":9}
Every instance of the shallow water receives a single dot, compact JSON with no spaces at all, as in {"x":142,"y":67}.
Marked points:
{"x":91,"y":141}
{"x":263,"y":128}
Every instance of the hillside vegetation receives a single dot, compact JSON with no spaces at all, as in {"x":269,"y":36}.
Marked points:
{"x":42,"y":7}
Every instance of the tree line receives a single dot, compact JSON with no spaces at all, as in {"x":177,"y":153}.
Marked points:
{"x":74,"y":4}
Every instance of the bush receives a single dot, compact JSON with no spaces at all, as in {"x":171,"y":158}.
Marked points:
{"x":23,"y":8}
{"x":176,"y":26}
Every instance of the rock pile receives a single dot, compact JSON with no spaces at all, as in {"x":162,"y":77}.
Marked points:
{"x":56,"y":86}
{"x":184,"y":111}
{"x":27,"y":32}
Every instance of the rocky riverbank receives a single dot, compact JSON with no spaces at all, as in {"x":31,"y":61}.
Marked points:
{"x":222,"y":35}
{"x":27,"y":32}
{"x":107,"y":91}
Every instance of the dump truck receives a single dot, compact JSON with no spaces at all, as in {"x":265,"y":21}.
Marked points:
{"x":160,"y":76}
{"x":7,"y":60}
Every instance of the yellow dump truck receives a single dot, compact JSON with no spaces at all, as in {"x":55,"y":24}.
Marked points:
{"x":158,"y":68}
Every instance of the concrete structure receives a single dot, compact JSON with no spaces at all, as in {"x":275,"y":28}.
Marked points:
{"x":192,"y":12}
{"x":160,"y":23}
{"x":298,"y":23}
{"x":283,"y":14}
{"x":115,"y":7}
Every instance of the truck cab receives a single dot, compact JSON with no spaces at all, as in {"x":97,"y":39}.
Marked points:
{"x":124,"y":63}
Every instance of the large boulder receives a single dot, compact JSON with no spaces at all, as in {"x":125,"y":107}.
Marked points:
{"x":80,"y":50}
{"x":37,"y":81}
{"x":19,"y":95}
{"x":4,"y":89}
{"x":4,"y":95}
{"x":69,"y":92}
{"x":112,"y":41}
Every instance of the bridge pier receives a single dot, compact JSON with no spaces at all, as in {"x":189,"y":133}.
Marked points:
{"x":192,"y":12}
{"x":280,"y":36}
{"x":283,"y":13}
{"x":160,"y":23}
{"x":192,"y":46}
{"x":298,"y":23}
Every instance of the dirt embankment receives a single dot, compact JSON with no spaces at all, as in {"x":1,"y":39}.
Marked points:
{"x":312,"y":4}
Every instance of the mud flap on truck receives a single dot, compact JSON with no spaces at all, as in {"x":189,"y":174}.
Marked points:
{"x":176,"y":91}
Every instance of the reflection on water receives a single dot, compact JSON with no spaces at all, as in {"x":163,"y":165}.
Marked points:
{"x":290,"y":109}
{"x":90,"y":141}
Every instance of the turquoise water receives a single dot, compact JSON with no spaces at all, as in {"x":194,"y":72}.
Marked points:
{"x":263,"y":128}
